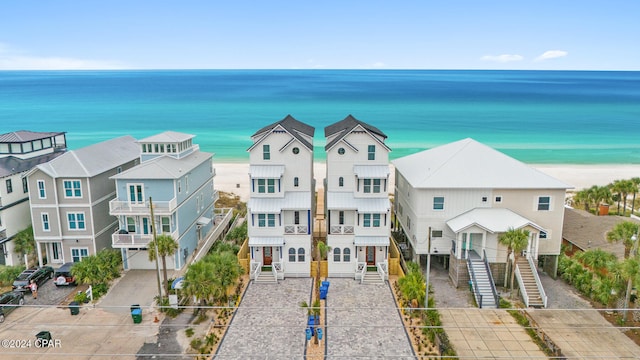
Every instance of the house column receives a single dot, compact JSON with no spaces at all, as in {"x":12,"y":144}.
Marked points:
{"x":459,"y":246}
{"x":39,"y":255}
{"x":484,"y":242}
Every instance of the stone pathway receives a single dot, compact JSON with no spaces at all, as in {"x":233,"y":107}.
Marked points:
{"x":363,"y":322}
{"x":269,"y":324}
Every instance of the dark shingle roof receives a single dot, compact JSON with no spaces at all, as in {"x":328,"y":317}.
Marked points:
{"x":294,"y":127}
{"x":26,"y":135}
{"x":12,"y":165}
{"x":588,"y":231}
{"x":345,"y":126}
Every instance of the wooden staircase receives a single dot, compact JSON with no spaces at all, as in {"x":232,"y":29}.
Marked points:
{"x":483,"y":283}
{"x":528,"y":276}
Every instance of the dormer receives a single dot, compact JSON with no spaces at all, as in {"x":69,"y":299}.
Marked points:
{"x":168,"y":143}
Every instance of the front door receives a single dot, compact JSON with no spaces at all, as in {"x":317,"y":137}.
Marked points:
{"x":371,"y":255}
{"x":266,"y":257}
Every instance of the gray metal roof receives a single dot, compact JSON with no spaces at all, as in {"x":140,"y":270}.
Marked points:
{"x":472,"y":165}
{"x":371,"y":171}
{"x":266,"y":241}
{"x":10,"y":165}
{"x":94,"y":159}
{"x":165,"y":167}
{"x":346,"y":201}
{"x":167,"y":137}
{"x":494,"y":220}
{"x":293,"y":127}
{"x":371,"y":240}
{"x":293,"y":200}
{"x":344,"y":127}
{"x":21,"y":136}
{"x":266,"y":171}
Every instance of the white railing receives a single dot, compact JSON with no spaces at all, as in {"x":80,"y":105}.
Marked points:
{"x":276,"y":269}
{"x":382,"y":270}
{"x":130,"y":240}
{"x":256,"y":266}
{"x":543,"y":295}
{"x":341,"y":229}
{"x":523,"y":289}
{"x":361,"y":269}
{"x":119,"y":207}
{"x":296,"y":229}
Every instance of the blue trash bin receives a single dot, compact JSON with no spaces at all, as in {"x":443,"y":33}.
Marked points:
{"x":311,"y":323}
{"x":325,"y":284}
{"x":323,"y":293}
{"x":307,"y":332}
{"x":319,"y":334}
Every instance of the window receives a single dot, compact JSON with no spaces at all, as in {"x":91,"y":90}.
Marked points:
{"x":341,"y":181}
{"x":25,"y":185}
{"x":484,"y":199}
{"x":376,"y":186}
{"x":436,"y":233}
{"x":119,"y":169}
{"x":301,"y":254}
{"x":346,"y":255}
{"x":376,"y":220}
{"x":367,"y":186}
{"x":262,"y":220}
{"x":296,"y":181}
{"x":271,"y":186}
{"x":266,"y":220}
{"x":77,"y":254}
{"x":42,"y":194}
{"x":45,"y":222}
{"x":262,"y":185}
{"x":76,"y":221}
{"x":543,"y":235}
{"x":438,"y":203}
{"x":296,"y":217}
{"x":336,"y":255}
{"x":165,"y":222}
{"x":341,"y":217}
{"x":498,"y":199}
{"x":135,"y":193}
{"x":72,"y":188}
{"x":372,"y":152}
{"x":292,"y":255}
{"x":271,"y":220}
{"x":131,"y":225}
{"x":266,"y":154}
{"x":9,"y":186}
{"x":544,"y":203}
{"x":341,"y":151}
{"x":367,"y":220}
{"x":371,"y":220}
{"x":179,"y":186}
{"x":296,"y":150}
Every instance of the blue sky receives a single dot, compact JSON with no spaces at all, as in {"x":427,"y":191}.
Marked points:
{"x":240,"y":34}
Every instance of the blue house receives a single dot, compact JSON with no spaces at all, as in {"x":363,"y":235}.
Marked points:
{"x":177,"y":178}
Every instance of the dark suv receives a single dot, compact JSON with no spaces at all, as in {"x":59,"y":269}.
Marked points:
{"x":63,"y":276}
{"x":39,"y":275}
{"x":9,"y":301}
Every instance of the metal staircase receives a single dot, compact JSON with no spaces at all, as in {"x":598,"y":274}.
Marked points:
{"x":530,"y":286}
{"x":483,"y":287}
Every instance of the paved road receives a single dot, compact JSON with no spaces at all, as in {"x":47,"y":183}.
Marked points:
{"x":363,"y":322}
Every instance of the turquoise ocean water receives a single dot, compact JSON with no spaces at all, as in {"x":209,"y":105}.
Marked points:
{"x":557,"y":117}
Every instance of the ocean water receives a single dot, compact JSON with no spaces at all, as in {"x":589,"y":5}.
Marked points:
{"x":576,"y":117}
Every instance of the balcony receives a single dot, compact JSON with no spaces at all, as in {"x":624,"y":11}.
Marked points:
{"x":132,"y":240}
{"x":341,"y":229}
{"x":118,"y":207}
{"x":296,"y":229}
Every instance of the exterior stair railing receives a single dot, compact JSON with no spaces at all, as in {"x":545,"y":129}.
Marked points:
{"x":496,"y":297}
{"x":256,"y":266}
{"x":474,"y":284}
{"x":543,"y":295}
{"x":523,"y":289}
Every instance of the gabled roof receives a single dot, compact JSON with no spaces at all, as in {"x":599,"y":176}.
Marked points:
{"x":12,"y":165}
{"x":26,"y":135}
{"x":344,"y":127}
{"x":94,"y":159}
{"x":292,"y":126}
{"x":494,"y":220}
{"x":167,"y":137}
{"x":165,"y":167}
{"x":472,"y":165}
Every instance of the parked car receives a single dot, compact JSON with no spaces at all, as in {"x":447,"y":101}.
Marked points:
{"x":63,"y":277}
{"x":9,"y":301}
{"x":38,"y":274}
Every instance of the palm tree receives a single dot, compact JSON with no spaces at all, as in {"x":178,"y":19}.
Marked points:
{"x":166,"y":246}
{"x":25,"y":244}
{"x":626,"y":188}
{"x":199,"y":282}
{"x":413,"y":285}
{"x":226,"y":270}
{"x":597,"y":260}
{"x":630,"y":272}
{"x":617,"y":186}
{"x":635,"y":181}
{"x":600,"y":194}
{"x":313,"y":310}
{"x":623,"y":231}
{"x":515,"y":240}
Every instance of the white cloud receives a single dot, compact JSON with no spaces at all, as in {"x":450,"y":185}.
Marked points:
{"x":11,"y":59}
{"x":504,"y":58}
{"x":551,"y":54}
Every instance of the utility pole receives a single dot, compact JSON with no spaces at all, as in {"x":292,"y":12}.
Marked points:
{"x":153,"y":230}
{"x":426,"y":298}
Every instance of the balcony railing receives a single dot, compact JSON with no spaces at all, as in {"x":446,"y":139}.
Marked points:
{"x":118,"y":207}
{"x":296,"y":229}
{"x":134,"y":240}
{"x":341,"y":229}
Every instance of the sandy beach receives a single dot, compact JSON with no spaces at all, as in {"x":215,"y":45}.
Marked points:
{"x":234,"y":177}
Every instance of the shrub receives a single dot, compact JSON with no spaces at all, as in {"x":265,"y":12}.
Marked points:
{"x":9,"y":273}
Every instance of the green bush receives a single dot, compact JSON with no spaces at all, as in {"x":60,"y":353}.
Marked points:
{"x":9,"y":273}
{"x":81,"y":297}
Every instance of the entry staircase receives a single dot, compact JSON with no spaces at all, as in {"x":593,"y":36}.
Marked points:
{"x":529,"y":282}
{"x":482,"y":284}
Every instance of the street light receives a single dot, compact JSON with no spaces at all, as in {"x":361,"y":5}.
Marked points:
{"x":627,"y":297}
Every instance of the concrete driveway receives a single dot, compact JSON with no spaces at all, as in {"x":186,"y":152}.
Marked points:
{"x":134,"y":287}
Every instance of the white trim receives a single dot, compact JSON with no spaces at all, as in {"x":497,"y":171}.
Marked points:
{"x":48,"y":221}
{"x":72,"y":188}
{"x":44,"y":188}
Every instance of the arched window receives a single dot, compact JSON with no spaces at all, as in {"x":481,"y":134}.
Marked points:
{"x":336,"y":255}
{"x":301,"y":254}
{"x":346,"y":255}
{"x":292,"y":255}
{"x":341,"y":181}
